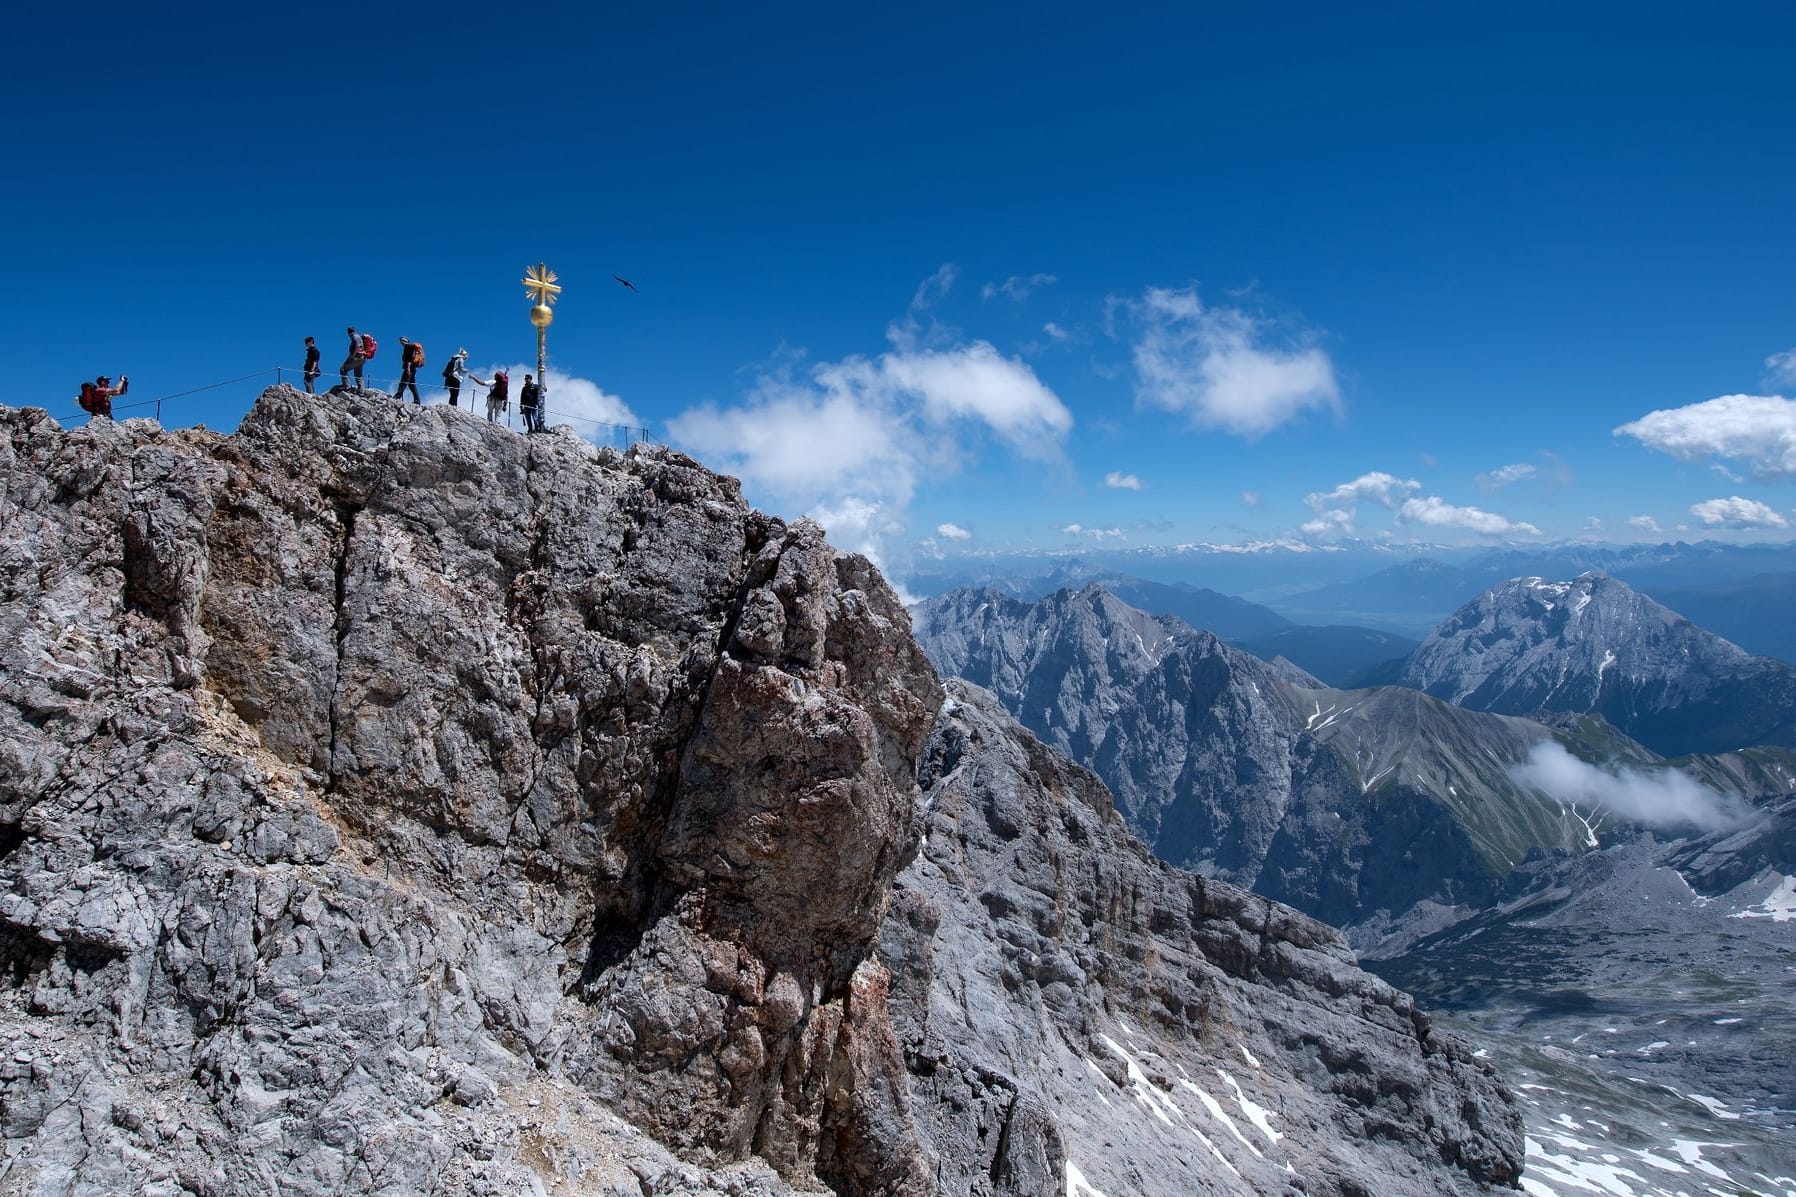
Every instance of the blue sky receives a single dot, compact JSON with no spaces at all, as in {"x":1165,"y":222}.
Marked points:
{"x":947,"y":270}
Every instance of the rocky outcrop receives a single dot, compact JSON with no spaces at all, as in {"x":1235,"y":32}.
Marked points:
{"x":1057,"y":990}
{"x":390,"y":803}
{"x":1353,"y":806}
{"x":1594,"y":645}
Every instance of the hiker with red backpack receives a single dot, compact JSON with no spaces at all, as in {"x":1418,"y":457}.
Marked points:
{"x":361,"y":348}
{"x":96,"y":396}
{"x":498,"y":394}
{"x":411,"y":356}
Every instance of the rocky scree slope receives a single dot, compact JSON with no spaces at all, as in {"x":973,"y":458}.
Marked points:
{"x":1595,"y":645}
{"x":391,"y":804}
{"x":1353,"y":806}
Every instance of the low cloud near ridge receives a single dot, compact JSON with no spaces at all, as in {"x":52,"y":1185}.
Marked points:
{"x":1662,"y":798}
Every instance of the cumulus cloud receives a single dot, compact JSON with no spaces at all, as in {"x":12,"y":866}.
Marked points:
{"x":952,"y":532}
{"x":1756,"y":431}
{"x":1660,"y":798}
{"x":849,"y":441}
{"x":1737,"y":513}
{"x":1437,"y":512}
{"x":1375,"y":487}
{"x":1018,"y":287}
{"x":1645,"y":523}
{"x":1116,"y":480}
{"x":1215,"y":365}
{"x":1095,"y":533}
{"x":1251,"y":500}
{"x":1504,"y":475}
{"x":1335,"y":509}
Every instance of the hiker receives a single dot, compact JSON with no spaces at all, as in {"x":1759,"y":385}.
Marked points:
{"x":498,"y":396}
{"x":411,"y":356}
{"x":357,"y":355}
{"x":453,"y":373}
{"x":529,"y":399}
{"x":311,"y":371}
{"x":96,"y":396}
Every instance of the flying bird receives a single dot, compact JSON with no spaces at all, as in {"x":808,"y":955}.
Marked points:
{"x":626,"y":282}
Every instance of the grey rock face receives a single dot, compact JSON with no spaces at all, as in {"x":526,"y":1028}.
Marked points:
{"x":1058,"y":991}
{"x":1352,"y":806}
{"x":1594,"y":645}
{"x":393,"y":804}
{"x":365,"y":768}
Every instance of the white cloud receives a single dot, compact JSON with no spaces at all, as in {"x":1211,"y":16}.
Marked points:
{"x":972,"y":380}
{"x":850,"y":442}
{"x":1251,"y":500}
{"x":1099,"y":534}
{"x":1056,"y":332}
{"x":1018,"y":287}
{"x":1661,"y":798}
{"x":1120,"y":481}
{"x":1593,"y":523}
{"x":1782,"y":368}
{"x":1335,"y":509}
{"x":1329,"y":520}
{"x":1437,"y":512}
{"x":952,"y":532}
{"x":1645,"y":523}
{"x":1737,"y":513}
{"x":1213,"y":365}
{"x":1756,"y":431}
{"x":1375,"y":487}
{"x":1073,"y":529}
{"x":1504,"y":475}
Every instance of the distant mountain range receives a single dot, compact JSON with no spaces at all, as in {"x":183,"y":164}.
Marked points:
{"x":1418,"y":593}
{"x":1353,"y":807}
{"x":1595,"y":645}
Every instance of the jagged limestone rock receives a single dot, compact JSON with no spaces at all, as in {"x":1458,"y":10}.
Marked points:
{"x":390,"y":803}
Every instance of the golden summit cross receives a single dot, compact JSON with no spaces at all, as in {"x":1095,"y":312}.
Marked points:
{"x":539,"y":284}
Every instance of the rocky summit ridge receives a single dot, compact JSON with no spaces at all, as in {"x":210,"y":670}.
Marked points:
{"x":390,"y":803}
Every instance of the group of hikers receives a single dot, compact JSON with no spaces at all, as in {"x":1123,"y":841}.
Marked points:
{"x":363,"y":347}
{"x":97,"y":396}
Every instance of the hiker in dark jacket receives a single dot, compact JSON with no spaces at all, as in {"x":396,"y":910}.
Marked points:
{"x":312,"y":371}
{"x":453,"y":373}
{"x":353,"y":361}
{"x":408,"y":370}
{"x":529,"y":400}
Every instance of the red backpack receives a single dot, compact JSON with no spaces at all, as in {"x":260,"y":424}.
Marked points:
{"x":87,"y":398}
{"x":368,"y":346}
{"x":501,"y":384}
